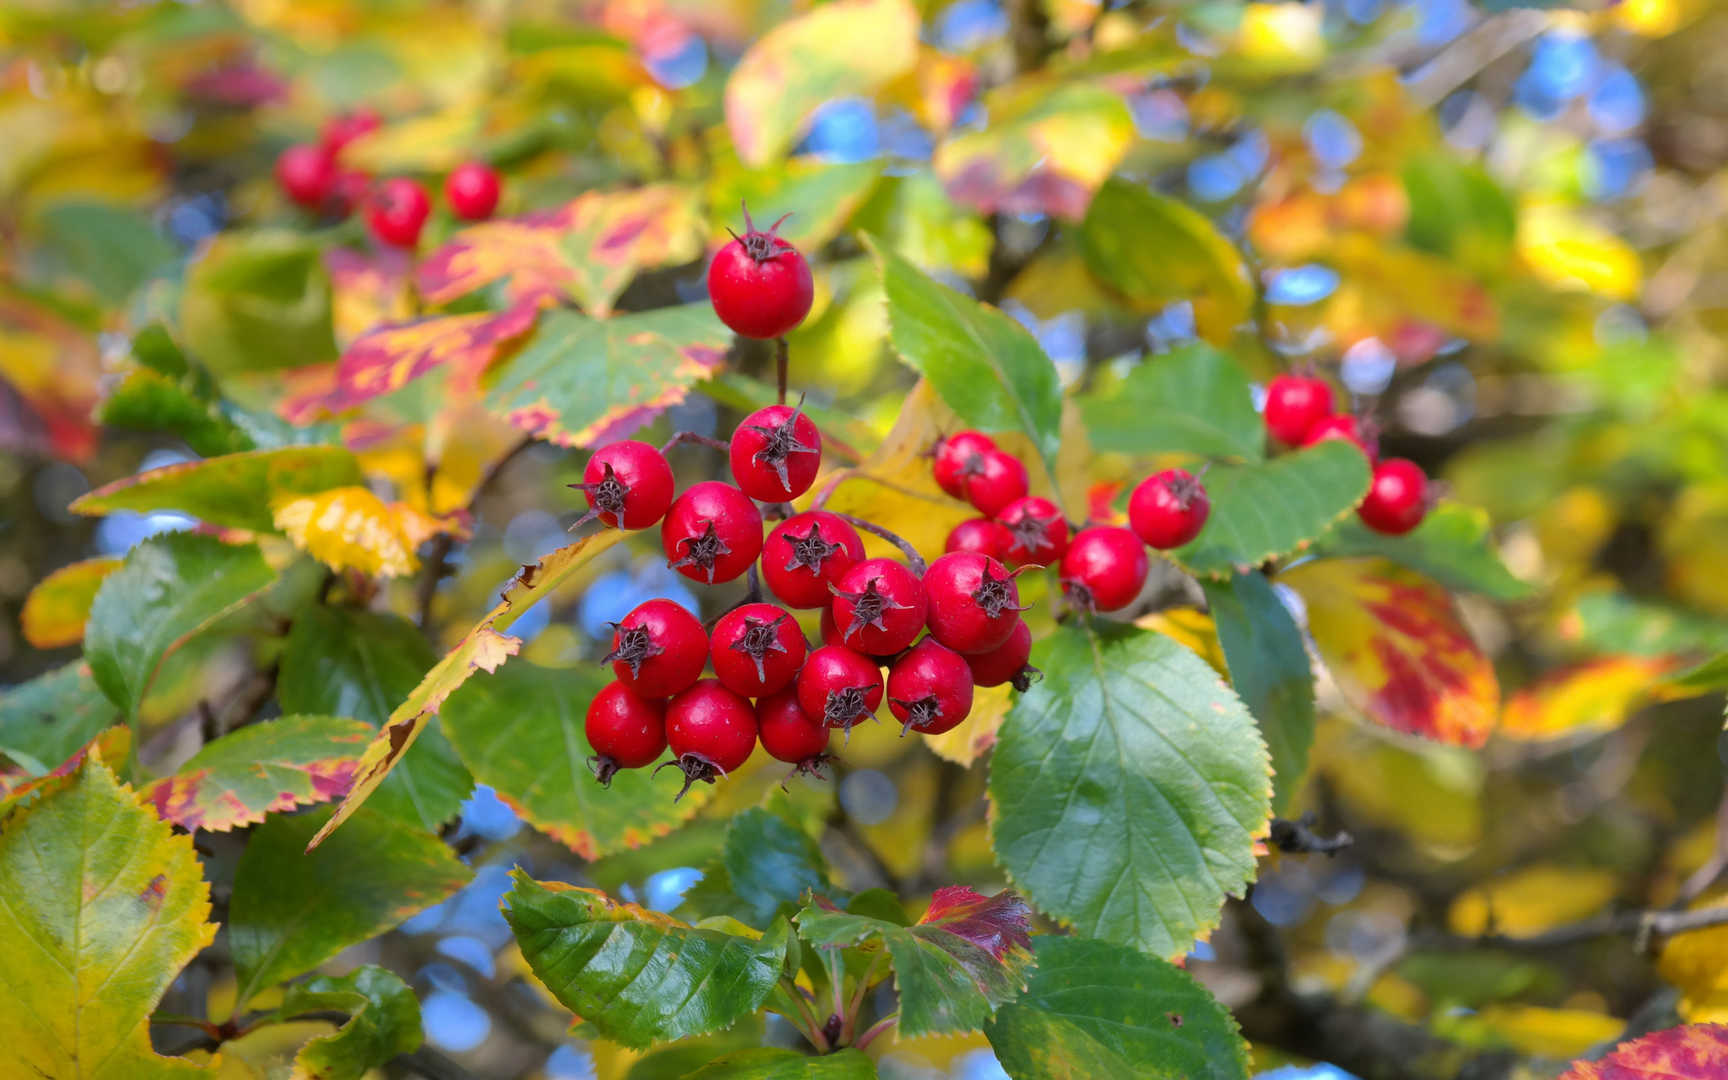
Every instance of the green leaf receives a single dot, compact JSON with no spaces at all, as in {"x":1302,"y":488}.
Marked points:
{"x":1612,"y":622}
{"x":638,"y":976}
{"x":362,"y":664}
{"x":383,"y":1022}
{"x":772,"y":1063}
{"x":1452,"y":546}
{"x":293,"y":909}
{"x":104,"y":905}
{"x":986,"y":366}
{"x":271,"y":767}
{"x":258,"y":301}
{"x":235,"y":490}
{"x":954,"y":967}
{"x":1704,"y":678}
{"x":48,"y":718}
{"x":1194,"y":400}
{"x":1458,"y":209}
{"x":677,"y":1060}
{"x":766,"y":863}
{"x":582,"y":381}
{"x":1274,"y":508}
{"x":914,"y":217}
{"x":1094,"y":1009}
{"x":114,"y":248}
{"x":171,"y":587}
{"x":521,"y":731}
{"x":150,"y":401}
{"x":1269,"y":670}
{"x":1128,"y":788}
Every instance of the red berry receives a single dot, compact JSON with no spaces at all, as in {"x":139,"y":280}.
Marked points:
{"x":982,"y":535}
{"x":1397,"y":499}
{"x":788,"y":733}
{"x":756,"y":649}
{"x":929,"y":689}
{"x":807,"y":552}
{"x":760,"y":285}
{"x":397,"y":211}
{"x":306,"y":174}
{"x":1037,"y":531}
{"x":628,"y":484}
{"x":973,"y":604}
{"x":878,"y":606}
{"x":775,"y":454}
{"x":1006,"y":662}
{"x":471,"y":189}
{"x":341,"y":130}
{"x":711,"y":731}
{"x":959,"y":456}
{"x":999,"y":480}
{"x":1105,"y":568}
{"x":658,"y":649}
{"x":1346,"y":427}
{"x":1168,"y":509}
{"x":626,"y":731}
{"x":839,"y":686}
{"x":352,"y":188}
{"x":1294,"y":404}
{"x":712,"y":533}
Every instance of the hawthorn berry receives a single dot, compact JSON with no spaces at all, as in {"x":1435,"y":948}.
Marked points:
{"x":658,"y":649}
{"x":759,"y":284}
{"x":626,"y":731}
{"x":982,"y":535}
{"x":789,"y":734}
{"x":306,"y":174}
{"x":839,"y":687}
{"x":775,"y":453}
{"x":1346,"y":427}
{"x":1006,"y":662}
{"x":339,"y":131}
{"x":973,"y":605}
{"x":1037,"y":531}
{"x":352,"y":188}
{"x":959,"y":456}
{"x":472,"y":190}
{"x":756,"y":649}
{"x":878,"y":606}
{"x":397,"y":211}
{"x":628,"y":484}
{"x":1168,"y":509}
{"x":1104,"y":568}
{"x":712,"y":532}
{"x":807,"y":552}
{"x":711,"y":731}
{"x":1397,"y":498}
{"x":929,"y":688}
{"x":998,"y":481}
{"x":1295,"y":403}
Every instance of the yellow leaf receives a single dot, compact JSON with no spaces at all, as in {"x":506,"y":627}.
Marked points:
{"x":1697,"y":963}
{"x":1594,"y":696}
{"x":1531,"y":900}
{"x":967,"y":743}
{"x":1283,"y":35}
{"x":1567,"y":250}
{"x":349,"y":528}
{"x":1190,"y":627}
{"x":1549,"y":1033}
{"x":57,"y":608}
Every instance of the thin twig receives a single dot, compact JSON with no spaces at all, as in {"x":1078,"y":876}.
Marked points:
{"x":912,"y":557}
{"x":1299,"y":838}
{"x":782,"y":362}
{"x":876,"y":1029}
{"x":681,"y":438}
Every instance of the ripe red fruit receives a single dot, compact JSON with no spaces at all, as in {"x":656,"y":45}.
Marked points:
{"x":973,"y":604}
{"x":998,"y":480}
{"x":1346,"y":427}
{"x":982,"y":535}
{"x":878,"y":606}
{"x":628,"y":484}
{"x":626,"y":731}
{"x":807,"y":552}
{"x":775,"y":454}
{"x":658,"y":649}
{"x":306,"y":174}
{"x":756,"y":649}
{"x":352,"y":187}
{"x":1006,"y":662}
{"x":1294,"y":404}
{"x":397,"y":212}
{"x":341,"y":130}
{"x":839,"y":687}
{"x":1104,"y":568}
{"x":930,"y":689}
{"x":1037,"y":531}
{"x":711,"y":731}
{"x":959,"y":456}
{"x":712,"y":533}
{"x":759,"y":284}
{"x":789,"y":734}
{"x":1168,"y":509}
{"x":471,"y":189}
{"x":1397,"y":498}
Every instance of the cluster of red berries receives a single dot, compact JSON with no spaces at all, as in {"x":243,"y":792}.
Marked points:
{"x":313,"y":176}
{"x":1300,"y":412}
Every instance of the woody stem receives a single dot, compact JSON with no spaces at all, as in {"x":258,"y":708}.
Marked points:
{"x":679,"y":438}
{"x":912,"y":557}
{"x":782,"y":360}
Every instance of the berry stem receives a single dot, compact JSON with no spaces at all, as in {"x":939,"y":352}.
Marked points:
{"x":679,"y":438}
{"x":754,"y":583}
{"x":915,"y":560}
{"x":876,"y":1029}
{"x":782,"y":361}
{"x":857,"y":1001}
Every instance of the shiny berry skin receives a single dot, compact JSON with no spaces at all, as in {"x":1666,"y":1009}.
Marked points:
{"x":1006,"y":662}
{"x":775,"y":454}
{"x":628,"y":484}
{"x":788,"y":733}
{"x":807,"y":552}
{"x":1397,"y":498}
{"x":1294,"y":404}
{"x":472,"y":189}
{"x":878,"y":606}
{"x":658,"y":649}
{"x":712,"y":532}
{"x":397,"y":212}
{"x":339,"y":131}
{"x":759,"y":284}
{"x":929,"y":689}
{"x":756,"y":649}
{"x":1346,"y":427}
{"x":1104,"y":568}
{"x":626,"y":731}
{"x":998,"y":481}
{"x":711,"y":731}
{"x":959,"y":456}
{"x":973,"y":603}
{"x":306,"y":174}
{"x":982,"y":535}
{"x":839,"y":686}
{"x":1037,"y":531}
{"x":1168,"y":509}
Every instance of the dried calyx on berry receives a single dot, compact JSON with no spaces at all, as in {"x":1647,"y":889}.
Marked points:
{"x":760,"y":638}
{"x":760,"y":244}
{"x":779,"y":442}
{"x":702,"y":551}
{"x":632,"y":645}
{"x":869,"y":607}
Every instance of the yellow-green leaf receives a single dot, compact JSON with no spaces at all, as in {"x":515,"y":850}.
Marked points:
{"x":235,"y":490}
{"x":57,"y":608}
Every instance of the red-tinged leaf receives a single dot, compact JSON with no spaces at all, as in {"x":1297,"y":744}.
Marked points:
{"x":55,"y":611}
{"x":997,"y":924}
{"x":1591,"y":697}
{"x":110,"y":744}
{"x":53,"y":368}
{"x":267,"y":768}
{"x":1394,"y":644}
{"x":368,"y":290}
{"x":1691,"y":1052}
{"x":234,"y":490}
